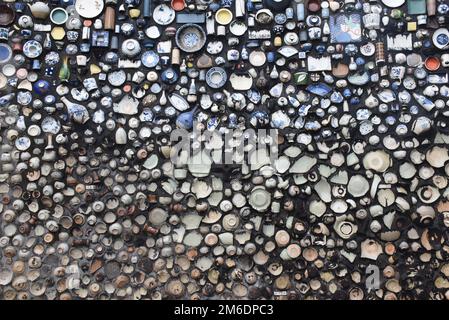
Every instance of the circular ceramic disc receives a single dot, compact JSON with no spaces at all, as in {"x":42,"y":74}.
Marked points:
{"x":216,"y":77}
{"x":190,"y":38}
{"x":368,"y":49}
{"x":50,"y":125}
{"x":117,"y":78}
{"x":238,"y":28}
{"x":163,"y":14}
{"x":223,"y":16}
{"x":214,"y":47}
{"x":7,"y":15}
{"x":89,"y":8}
{"x":440,"y":38}
{"x":32,"y":49}
{"x":260,"y":199}
{"x":150,"y":59}
{"x":5,"y":53}
{"x":257,"y":58}
{"x":393,"y":3}
{"x":23,"y":143}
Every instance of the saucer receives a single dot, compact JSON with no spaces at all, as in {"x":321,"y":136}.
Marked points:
{"x":440,"y":38}
{"x":5,"y":53}
{"x":89,"y":8}
{"x":238,"y":28}
{"x":257,"y":58}
{"x":32,"y":49}
{"x":224,"y":16}
{"x":216,"y":77}
{"x":163,"y":14}
{"x":150,"y":59}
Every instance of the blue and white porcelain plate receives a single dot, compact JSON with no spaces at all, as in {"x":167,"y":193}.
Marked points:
{"x":32,"y":49}
{"x":150,"y":59}
{"x":216,"y":77}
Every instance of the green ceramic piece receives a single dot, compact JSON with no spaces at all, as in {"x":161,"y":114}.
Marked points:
{"x":301,"y":78}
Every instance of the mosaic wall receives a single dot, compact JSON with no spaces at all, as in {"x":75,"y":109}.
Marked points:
{"x":216,"y":149}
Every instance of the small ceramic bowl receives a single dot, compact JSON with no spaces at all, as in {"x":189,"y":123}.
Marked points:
{"x":7,"y":15}
{"x":432,"y":63}
{"x":314,"y":5}
{"x":224,"y":16}
{"x":178,"y":5}
{"x":190,"y":38}
{"x":59,"y":16}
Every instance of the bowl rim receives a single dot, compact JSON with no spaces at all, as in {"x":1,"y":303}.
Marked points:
{"x":6,"y":10}
{"x":225,"y":22}
{"x":193,"y":26}
{"x":59,"y":9}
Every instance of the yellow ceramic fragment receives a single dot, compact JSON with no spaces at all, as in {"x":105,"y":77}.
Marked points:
{"x":94,"y":69}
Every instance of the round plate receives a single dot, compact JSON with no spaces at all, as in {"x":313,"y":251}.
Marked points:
{"x":440,"y":38}
{"x":414,"y":60}
{"x":89,"y":8}
{"x":393,"y":3}
{"x":150,"y":59}
{"x":50,"y":125}
{"x":257,"y":58}
{"x":214,"y":47}
{"x":34,"y":130}
{"x":9,"y":70}
{"x":259,"y":199}
{"x":409,"y":83}
{"x":223,"y":16}
{"x":23,"y":143}
{"x":153,"y":32}
{"x":32,"y":49}
{"x":163,"y":15}
{"x":216,"y":77}
{"x":368,"y":49}
{"x":280,"y":18}
{"x":5,"y":53}
{"x":190,"y":38}
{"x":238,"y":28}
{"x":117,"y":78}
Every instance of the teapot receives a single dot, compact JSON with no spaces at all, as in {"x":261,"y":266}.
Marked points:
{"x":40,"y":10}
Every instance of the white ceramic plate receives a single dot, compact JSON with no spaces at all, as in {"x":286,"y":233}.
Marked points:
{"x":216,"y":77}
{"x":257,"y":58}
{"x":393,"y":3}
{"x":238,"y":28}
{"x":89,"y":8}
{"x":117,"y":78}
{"x":440,"y":38}
{"x":163,"y":14}
{"x":150,"y":59}
{"x":214,"y":47}
{"x":368,"y":49}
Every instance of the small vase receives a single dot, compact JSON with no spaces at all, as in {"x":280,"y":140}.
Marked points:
{"x":64,"y":72}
